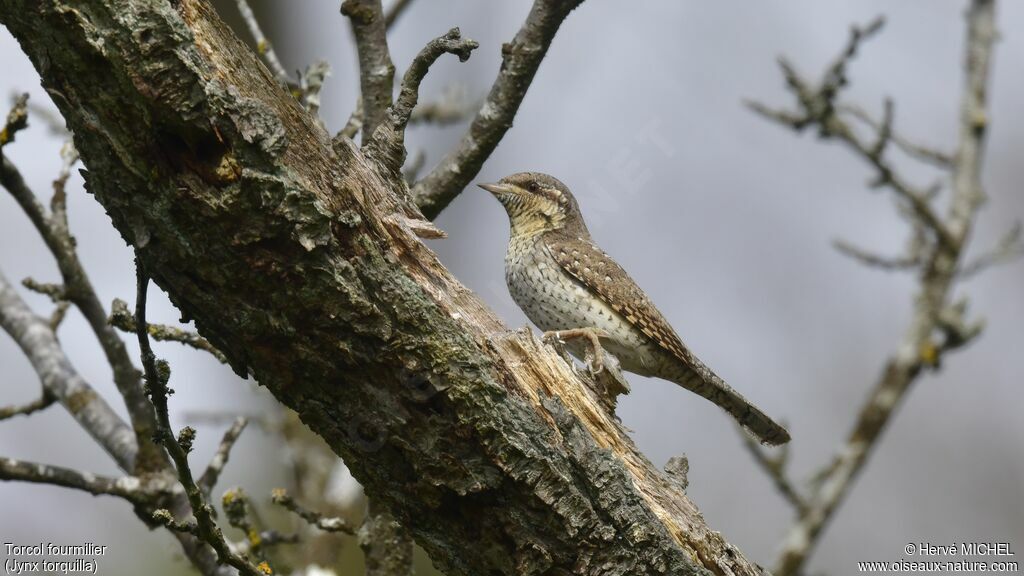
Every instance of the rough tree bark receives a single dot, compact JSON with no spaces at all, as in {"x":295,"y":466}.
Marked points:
{"x":295,"y":258}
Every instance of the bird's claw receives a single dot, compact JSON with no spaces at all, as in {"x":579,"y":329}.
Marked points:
{"x":592,"y":335}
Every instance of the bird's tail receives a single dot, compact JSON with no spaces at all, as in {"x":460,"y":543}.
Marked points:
{"x":699,"y":379}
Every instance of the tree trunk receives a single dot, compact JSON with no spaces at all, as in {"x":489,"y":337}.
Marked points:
{"x":296,"y":260}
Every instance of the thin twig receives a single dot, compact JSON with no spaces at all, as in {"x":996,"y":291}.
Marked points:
{"x":220,"y":459}
{"x":157,"y":374}
{"x":520,"y":60}
{"x":281,"y":497}
{"x":395,"y":12}
{"x":877,"y":260}
{"x":818,"y":107}
{"x":263,"y":46}
{"x":775,"y":468}
{"x":919,"y":151}
{"x":44,"y":401}
{"x":1008,"y":248}
{"x":122,"y":319}
{"x":388,"y":146}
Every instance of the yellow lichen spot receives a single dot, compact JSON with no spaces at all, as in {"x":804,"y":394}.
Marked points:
{"x":265,"y":568}
{"x":979,"y":119}
{"x":3,"y":136}
{"x":228,"y":497}
{"x":262,"y":47}
{"x":254,"y":538}
{"x":228,"y":170}
{"x":929,"y":353}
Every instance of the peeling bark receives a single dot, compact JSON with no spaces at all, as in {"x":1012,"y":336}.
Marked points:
{"x":286,"y":252}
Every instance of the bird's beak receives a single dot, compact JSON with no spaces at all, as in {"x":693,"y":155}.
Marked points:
{"x":496,"y":188}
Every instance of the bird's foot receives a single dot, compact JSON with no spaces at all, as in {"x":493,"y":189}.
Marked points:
{"x":595,"y":354}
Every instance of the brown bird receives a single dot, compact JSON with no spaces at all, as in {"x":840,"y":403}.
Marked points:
{"x":575,"y":292}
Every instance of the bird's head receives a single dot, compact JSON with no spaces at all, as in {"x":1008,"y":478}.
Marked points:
{"x":536,"y":203}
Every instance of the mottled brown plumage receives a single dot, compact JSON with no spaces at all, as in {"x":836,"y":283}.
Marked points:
{"x":563,"y":281}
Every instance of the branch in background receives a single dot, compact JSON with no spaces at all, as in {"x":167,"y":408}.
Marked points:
{"x":122,"y":319}
{"x":452,"y":107}
{"x":263,"y":46}
{"x":1008,"y":248}
{"x":376,"y":72}
{"x":44,"y":401}
{"x":79,"y":291}
{"x":157,"y":374}
{"x":126,"y":487}
{"x":281,"y":497}
{"x":220,"y":458}
{"x":520,"y":60}
{"x":817,"y":108}
{"x":775,"y":468}
{"x":938,"y":256}
{"x":388,"y":145}
{"x":876,"y":260}
{"x":17,"y":120}
{"x":395,"y":12}
{"x":55,"y":292}
{"x":59,"y":378}
{"x":918,"y":151}
{"x":311,"y":82}
{"x":237,"y":509}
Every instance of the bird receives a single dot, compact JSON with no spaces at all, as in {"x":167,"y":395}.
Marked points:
{"x":576,"y":293}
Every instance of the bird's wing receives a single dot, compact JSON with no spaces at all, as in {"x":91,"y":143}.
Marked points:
{"x":597,"y":272}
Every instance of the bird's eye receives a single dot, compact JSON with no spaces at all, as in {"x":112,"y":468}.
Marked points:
{"x":533,"y":187}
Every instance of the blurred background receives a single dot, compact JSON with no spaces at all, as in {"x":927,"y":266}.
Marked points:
{"x":725,"y":219}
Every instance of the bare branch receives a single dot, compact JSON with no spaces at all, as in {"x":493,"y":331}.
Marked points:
{"x":263,"y":46}
{"x":919,"y":151}
{"x":395,"y":12}
{"x":818,"y":108}
{"x":877,"y":260}
{"x":55,"y":292}
{"x":129,"y":488}
{"x":37,"y":340}
{"x":220,"y":459}
{"x":520,"y":60}
{"x":775,"y":468}
{"x":932,"y":314}
{"x":122,"y":319}
{"x":376,"y":72}
{"x":79,"y":290}
{"x":1008,"y":248}
{"x":44,"y":401}
{"x":388,"y":146}
{"x":281,"y":497}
